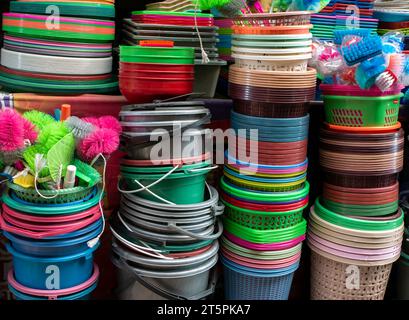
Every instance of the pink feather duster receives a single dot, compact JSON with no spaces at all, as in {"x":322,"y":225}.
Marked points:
{"x":104,"y":141}
{"x":11,"y":131}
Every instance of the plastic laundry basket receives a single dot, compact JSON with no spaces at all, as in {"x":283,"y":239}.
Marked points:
{"x":362,"y":111}
{"x":243,"y":283}
{"x":329,"y":280}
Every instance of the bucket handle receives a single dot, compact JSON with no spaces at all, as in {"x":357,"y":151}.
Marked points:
{"x":166,"y":294}
{"x":146,"y":188}
{"x":218,"y":209}
{"x":196,"y":236}
{"x":200,"y":169}
{"x":44,"y":234}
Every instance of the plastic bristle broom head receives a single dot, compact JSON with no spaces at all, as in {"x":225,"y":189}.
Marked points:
{"x":11,"y":131}
{"x":87,"y":173}
{"x":362,"y":50}
{"x":39,"y":119}
{"x":51,"y":134}
{"x":340,"y":34}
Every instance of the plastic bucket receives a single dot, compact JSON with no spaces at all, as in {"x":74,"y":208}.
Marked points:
{"x":243,"y":283}
{"x":187,"y":278}
{"x":64,"y":245}
{"x":174,"y":188}
{"x":80,"y":292}
{"x":41,"y":272}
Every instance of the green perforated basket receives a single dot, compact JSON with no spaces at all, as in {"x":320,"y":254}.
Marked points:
{"x":353,"y":111}
{"x":89,"y":178}
{"x":53,"y":196}
{"x":265,"y":236}
{"x":261,"y":220}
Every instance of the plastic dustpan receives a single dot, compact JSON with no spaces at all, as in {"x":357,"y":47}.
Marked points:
{"x":60,"y":156}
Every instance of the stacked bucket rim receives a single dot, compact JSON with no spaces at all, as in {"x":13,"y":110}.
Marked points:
{"x":356,"y":227}
{"x":165,"y":233}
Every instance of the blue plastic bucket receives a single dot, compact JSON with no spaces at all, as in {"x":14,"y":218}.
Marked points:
{"x":243,"y":283}
{"x":82,"y":295}
{"x":40,"y":272}
{"x":58,"y":246}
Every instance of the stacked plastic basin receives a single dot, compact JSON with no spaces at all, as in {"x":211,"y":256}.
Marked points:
{"x":165,"y":232}
{"x":52,"y":240}
{"x":225,"y":38}
{"x":264,"y":187}
{"x":187,"y":30}
{"x":400,"y":274}
{"x":356,"y":226}
{"x":393,"y":16}
{"x":341,"y":15}
{"x":58,"y":47}
{"x":5,"y":264}
{"x":155,"y":71}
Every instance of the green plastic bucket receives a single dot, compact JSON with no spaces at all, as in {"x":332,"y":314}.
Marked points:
{"x":362,"y":111}
{"x":180,"y":187}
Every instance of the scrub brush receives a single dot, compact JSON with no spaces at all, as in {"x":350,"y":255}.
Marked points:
{"x":102,"y":141}
{"x":340,"y":34}
{"x":51,"y":134}
{"x":369,"y":70}
{"x":362,"y":50}
{"x":79,"y":128}
{"x":385,"y":80}
{"x":39,"y":119}
{"x":86,"y":173}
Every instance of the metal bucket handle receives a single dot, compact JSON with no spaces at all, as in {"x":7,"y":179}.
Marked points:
{"x":184,"y":232}
{"x":166,"y":294}
{"x":198,"y":237}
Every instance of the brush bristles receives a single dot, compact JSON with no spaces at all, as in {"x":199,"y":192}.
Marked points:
{"x":79,"y":128}
{"x":11,"y":131}
{"x":39,"y":119}
{"x":385,"y":81}
{"x":104,"y":141}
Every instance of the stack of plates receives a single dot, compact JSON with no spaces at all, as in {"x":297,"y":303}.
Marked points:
{"x":182,"y":36}
{"x":72,"y":57}
{"x":325,"y":25}
{"x":343,"y":7}
{"x":225,"y":38}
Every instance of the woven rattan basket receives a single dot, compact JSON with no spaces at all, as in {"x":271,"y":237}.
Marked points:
{"x":329,"y":278}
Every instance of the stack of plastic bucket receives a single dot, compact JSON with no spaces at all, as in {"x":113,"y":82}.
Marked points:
{"x":52,"y":240}
{"x":155,"y":71}
{"x":264,"y":188}
{"x":356,"y":227}
{"x":166,"y":230}
{"x":58,"y":47}
{"x":5,"y":265}
{"x":186,"y":29}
